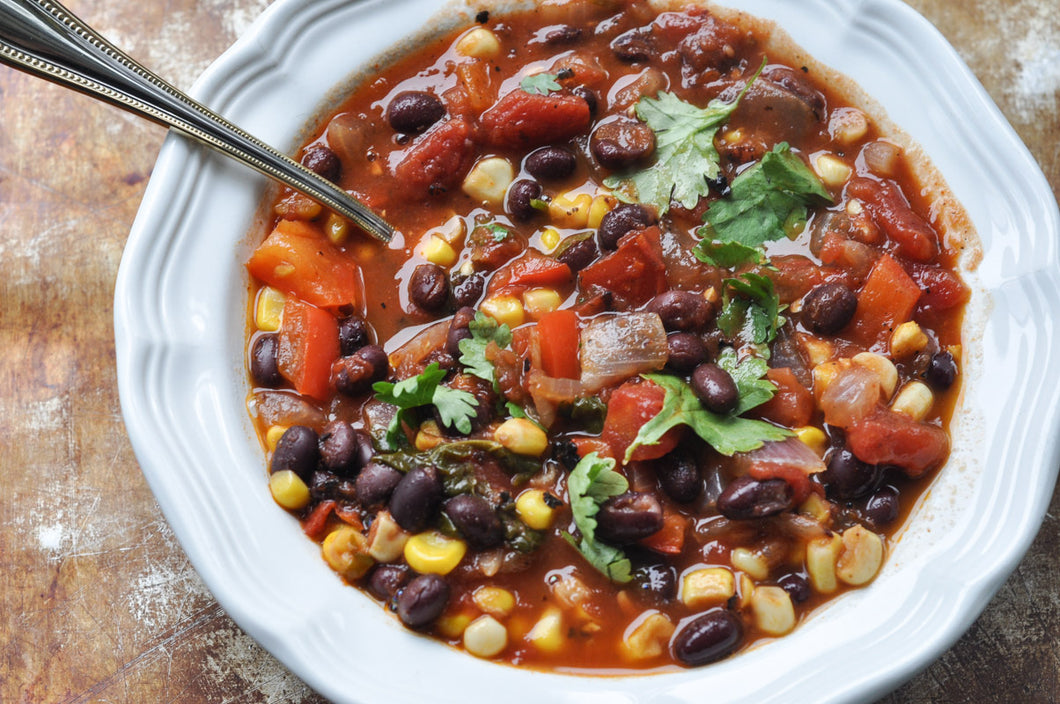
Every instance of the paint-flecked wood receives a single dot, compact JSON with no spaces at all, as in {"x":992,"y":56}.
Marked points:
{"x":97,"y":600}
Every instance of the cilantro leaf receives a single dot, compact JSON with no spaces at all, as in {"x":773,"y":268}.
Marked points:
{"x":750,"y":308}
{"x":728,"y":255}
{"x":455,"y":407}
{"x":749,"y":374}
{"x":768,"y":200}
{"x":540,"y":84}
{"x":685,"y":156}
{"x":484,"y":330}
{"x":592,"y":482}
{"x":727,"y":434}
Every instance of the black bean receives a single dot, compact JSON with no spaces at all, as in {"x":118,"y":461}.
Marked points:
{"x":881,"y":509}
{"x":622,"y":144}
{"x":323,"y":162}
{"x":263,"y":360}
{"x":629,"y":517}
{"x":353,"y":334}
{"x":707,"y":638}
{"x":297,"y":451}
{"x":326,"y":485}
{"x":942,"y":370}
{"x":797,"y":587}
{"x":467,"y":291}
{"x":459,"y":329}
{"x":681,"y":310}
{"x":343,"y":450}
{"x":620,"y":221}
{"x":828,"y":308}
{"x":385,"y":581}
{"x":578,"y":252}
{"x":422,"y":600}
{"x":563,"y":34}
{"x":678,"y":475}
{"x":414,"y":111}
{"x":429,"y":286}
{"x":847,"y":477}
{"x":586,"y":94}
{"x":715,"y":388}
{"x":632,"y":46}
{"x":520,"y":196}
{"x":476,"y":520}
{"x":551,"y":163}
{"x":686,"y":351}
{"x":356,"y":373}
{"x":658,"y":581}
{"x":746,"y":498}
{"x":416,"y":498}
{"x":376,"y":483}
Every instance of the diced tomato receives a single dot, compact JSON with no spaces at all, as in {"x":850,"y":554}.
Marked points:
{"x":631,"y":406}
{"x":559,"y":336}
{"x":670,"y":539}
{"x":635,"y":271}
{"x":915,"y":237}
{"x":316,"y":523}
{"x":439,"y":160}
{"x":522,"y":120}
{"x":297,"y":259}
{"x":522,"y":340}
{"x":887,"y":300}
{"x":531,"y":269}
{"x":308,"y":345}
{"x":941,"y":288}
{"x":891,"y":438}
{"x":587,"y":446}
{"x":792,"y":405}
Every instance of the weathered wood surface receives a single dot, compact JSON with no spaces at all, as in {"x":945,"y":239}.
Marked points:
{"x":97,"y":600}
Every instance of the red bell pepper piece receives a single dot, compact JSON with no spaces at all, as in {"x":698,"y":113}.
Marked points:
{"x":631,"y":406}
{"x":635,"y":271}
{"x":308,"y":345}
{"x":559,"y":339}
{"x":297,"y":259}
{"x":887,"y":300}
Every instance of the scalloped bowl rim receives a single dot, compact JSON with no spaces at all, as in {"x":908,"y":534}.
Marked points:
{"x":180,"y":311}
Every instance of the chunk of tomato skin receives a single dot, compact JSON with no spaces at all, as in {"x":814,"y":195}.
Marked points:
{"x":792,"y":405}
{"x":308,"y":346}
{"x":438,"y":160}
{"x":631,"y":405}
{"x":316,"y":523}
{"x":887,"y":300}
{"x":586,"y":446}
{"x":915,"y":237}
{"x":635,"y":272}
{"x":941,"y":289}
{"x":297,"y":259}
{"x":522,"y":120}
{"x":560,"y":339}
{"x":670,"y":539}
{"x":887,"y":437}
{"x":531,"y":269}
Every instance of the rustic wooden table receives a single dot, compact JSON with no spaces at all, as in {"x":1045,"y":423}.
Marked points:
{"x":97,"y":600}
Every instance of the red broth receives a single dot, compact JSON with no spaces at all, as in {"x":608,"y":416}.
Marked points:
{"x":665,"y":350}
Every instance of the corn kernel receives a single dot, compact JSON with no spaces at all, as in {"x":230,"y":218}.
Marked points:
{"x":507,"y":310}
{"x":345,"y":549}
{"x":485,"y":637}
{"x":521,"y":436}
{"x":816,"y":508}
{"x":773,"y":611}
{"x":883,"y":367}
{"x":848,"y":125}
{"x":907,"y":339}
{"x":813,"y":437}
{"x":495,"y":601}
{"x":823,"y":375}
{"x":386,"y":539}
{"x":648,"y":638}
{"x":533,"y":509}
{"x":747,"y":588}
{"x":821,"y":555}
{"x":288,"y":490}
{"x":479,"y":43}
{"x":602,"y":205}
{"x":707,"y":586}
{"x":432,"y":552}
{"x":273,"y":435}
{"x":832,"y":170}
{"x":438,"y":251}
{"x":817,"y":351}
{"x":570,"y":209}
{"x":429,"y":436}
{"x":451,"y":231}
{"x":750,"y":562}
{"x":547,"y":635}
{"x":861,"y":556}
{"x":914,"y":400}
{"x":337,"y":229}
{"x":489,"y":179}
{"x":550,"y":238}
{"x":452,"y":625}
{"x":268,"y":313}
{"x":538,"y":301}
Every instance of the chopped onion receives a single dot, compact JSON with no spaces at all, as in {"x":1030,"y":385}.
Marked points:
{"x":409,"y":356}
{"x":618,"y":347}
{"x":548,"y":392}
{"x":346,"y":137}
{"x":882,"y":158}
{"x":789,"y":454}
{"x":287,"y":408}
{"x":851,"y":396}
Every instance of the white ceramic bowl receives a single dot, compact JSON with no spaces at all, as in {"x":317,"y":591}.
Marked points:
{"x":180,"y":312}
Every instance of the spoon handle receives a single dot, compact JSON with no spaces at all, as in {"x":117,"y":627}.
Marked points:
{"x":43,"y":38}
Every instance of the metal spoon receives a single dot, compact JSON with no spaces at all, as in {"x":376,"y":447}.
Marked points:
{"x":43,"y":38}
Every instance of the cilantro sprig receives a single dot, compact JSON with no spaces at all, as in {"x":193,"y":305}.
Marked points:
{"x":749,"y":374}
{"x":540,"y":84}
{"x":728,"y":434}
{"x":750,"y":309}
{"x":455,"y":407}
{"x":484,"y":330}
{"x":592,"y":482}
